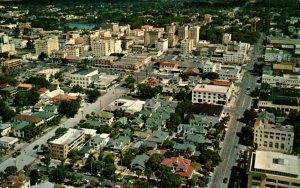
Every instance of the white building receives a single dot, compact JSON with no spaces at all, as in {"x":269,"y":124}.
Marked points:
{"x":226,"y":38}
{"x":287,"y":80}
{"x":211,"y":94}
{"x":83,"y":78}
{"x":275,"y":55}
{"x":8,"y":142}
{"x":273,"y":169}
{"x":273,"y":137}
{"x":161,"y":44}
{"x":46,"y":45}
{"x":211,"y":67}
{"x":99,"y":141}
{"x":186,"y":46}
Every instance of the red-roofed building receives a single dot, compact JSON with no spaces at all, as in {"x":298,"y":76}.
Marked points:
{"x":180,"y":166}
{"x":64,"y":97}
{"x":167,"y":66}
{"x":16,"y":181}
{"x":158,"y":151}
{"x":221,"y":83}
{"x":43,"y":90}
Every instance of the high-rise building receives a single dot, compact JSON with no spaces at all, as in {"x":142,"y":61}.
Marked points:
{"x":186,"y":46}
{"x":150,"y":37}
{"x":100,"y":48}
{"x":171,"y":39}
{"x":183,"y":32}
{"x":46,"y":45}
{"x":194,"y":34}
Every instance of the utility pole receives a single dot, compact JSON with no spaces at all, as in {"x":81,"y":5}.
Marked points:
{"x":81,"y":114}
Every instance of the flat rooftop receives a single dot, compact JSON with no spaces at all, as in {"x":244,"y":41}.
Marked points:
{"x":277,"y":162}
{"x":8,"y":139}
{"x":211,"y":88}
{"x":84,"y":72}
{"x":68,"y":137}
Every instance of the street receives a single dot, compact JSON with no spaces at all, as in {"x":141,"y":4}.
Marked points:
{"x":230,"y":147}
{"x":28,"y":154}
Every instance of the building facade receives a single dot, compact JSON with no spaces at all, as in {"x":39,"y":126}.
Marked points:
{"x":211,"y":94}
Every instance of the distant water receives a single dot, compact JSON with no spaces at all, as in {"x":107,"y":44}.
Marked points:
{"x":79,"y":25}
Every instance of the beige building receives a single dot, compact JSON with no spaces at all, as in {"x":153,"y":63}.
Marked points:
{"x":194,"y":34}
{"x":46,"y":45}
{"x":12,"y":63}
{"x":267,"y":169}
{"x":273,"y":137}
{"x":60,"y":147}
{"x":186,"y":46}
{"x":100,"y":48}
{"x":150,"y":37}
{"x":183,"y":32}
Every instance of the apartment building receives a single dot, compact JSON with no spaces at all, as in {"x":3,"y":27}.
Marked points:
{"x":84,"y":77}
{"x":272,"y":137}
{"x":100,"y":48}
{"x":194,"y":34}
{"x":183,"y":32}
{"x":60,"y":147}
{"x":186,"y":46}
{"x":211,"y":94}
{"x":226,"y":38}
{"x":268,"y":169}
{"x":5,"y":44}
{"x":12,"y":63}
{"x":46,"y":45}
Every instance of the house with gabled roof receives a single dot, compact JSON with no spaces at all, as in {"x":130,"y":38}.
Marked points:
{"x":139,"y":162}
{"x":30,"y":118}
{"x":180,"y":166}
{"x":119,"y":143}
{"x":158,"y":137}
{"x":184,"y":148}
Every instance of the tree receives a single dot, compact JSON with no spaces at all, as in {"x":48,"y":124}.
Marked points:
{"x":5,"y":112}
{"x":127,"y":158}
{"x":77,"y":89}
{"x":154,"y":162}
{"x":11,"y":170}
{"x":168,"y":144}
{"x":61,"y":131}
{"x":249,"y":116}
{"x":129,"y":82}
{"x":147,"y":92}
{"x":210,"y":75}
{"x":34,"y":177}
{"x":42,"y":56}
{"x":92,"y":95}
{"x":68,"y":108}
{"x":209,"y":155}
{"x":169,"y":180}
{"x":58,"y":175}
{"x":38,"y":81}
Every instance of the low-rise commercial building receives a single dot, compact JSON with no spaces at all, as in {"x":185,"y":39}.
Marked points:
{"x":83,"y":78}
{"x":8,"y":142}
{"x":211,"y":94}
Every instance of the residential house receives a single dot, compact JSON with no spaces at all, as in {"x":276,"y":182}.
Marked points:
{"x":191,"y":129}
{"x":158,"y":137}
{"x":194,"y":139}
{"x":46,"y":116}
{"x":106,"y":117}
{"x":137,"y":122}
{"x":119,"y":143}
{"x":16,"y":181}
{"x":9,"y":90}
{"x":18,"y":128}
{"x":30,"y":118}
{"x":25,"y":87}
{"x":180,"y":166}
{"x":99,"y":141}
{"x":185,"y":148}
{"x":141,"y":135}
{"x":139,"y":162}
{"x":5,"y":129}
{"x":151,"y":104}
